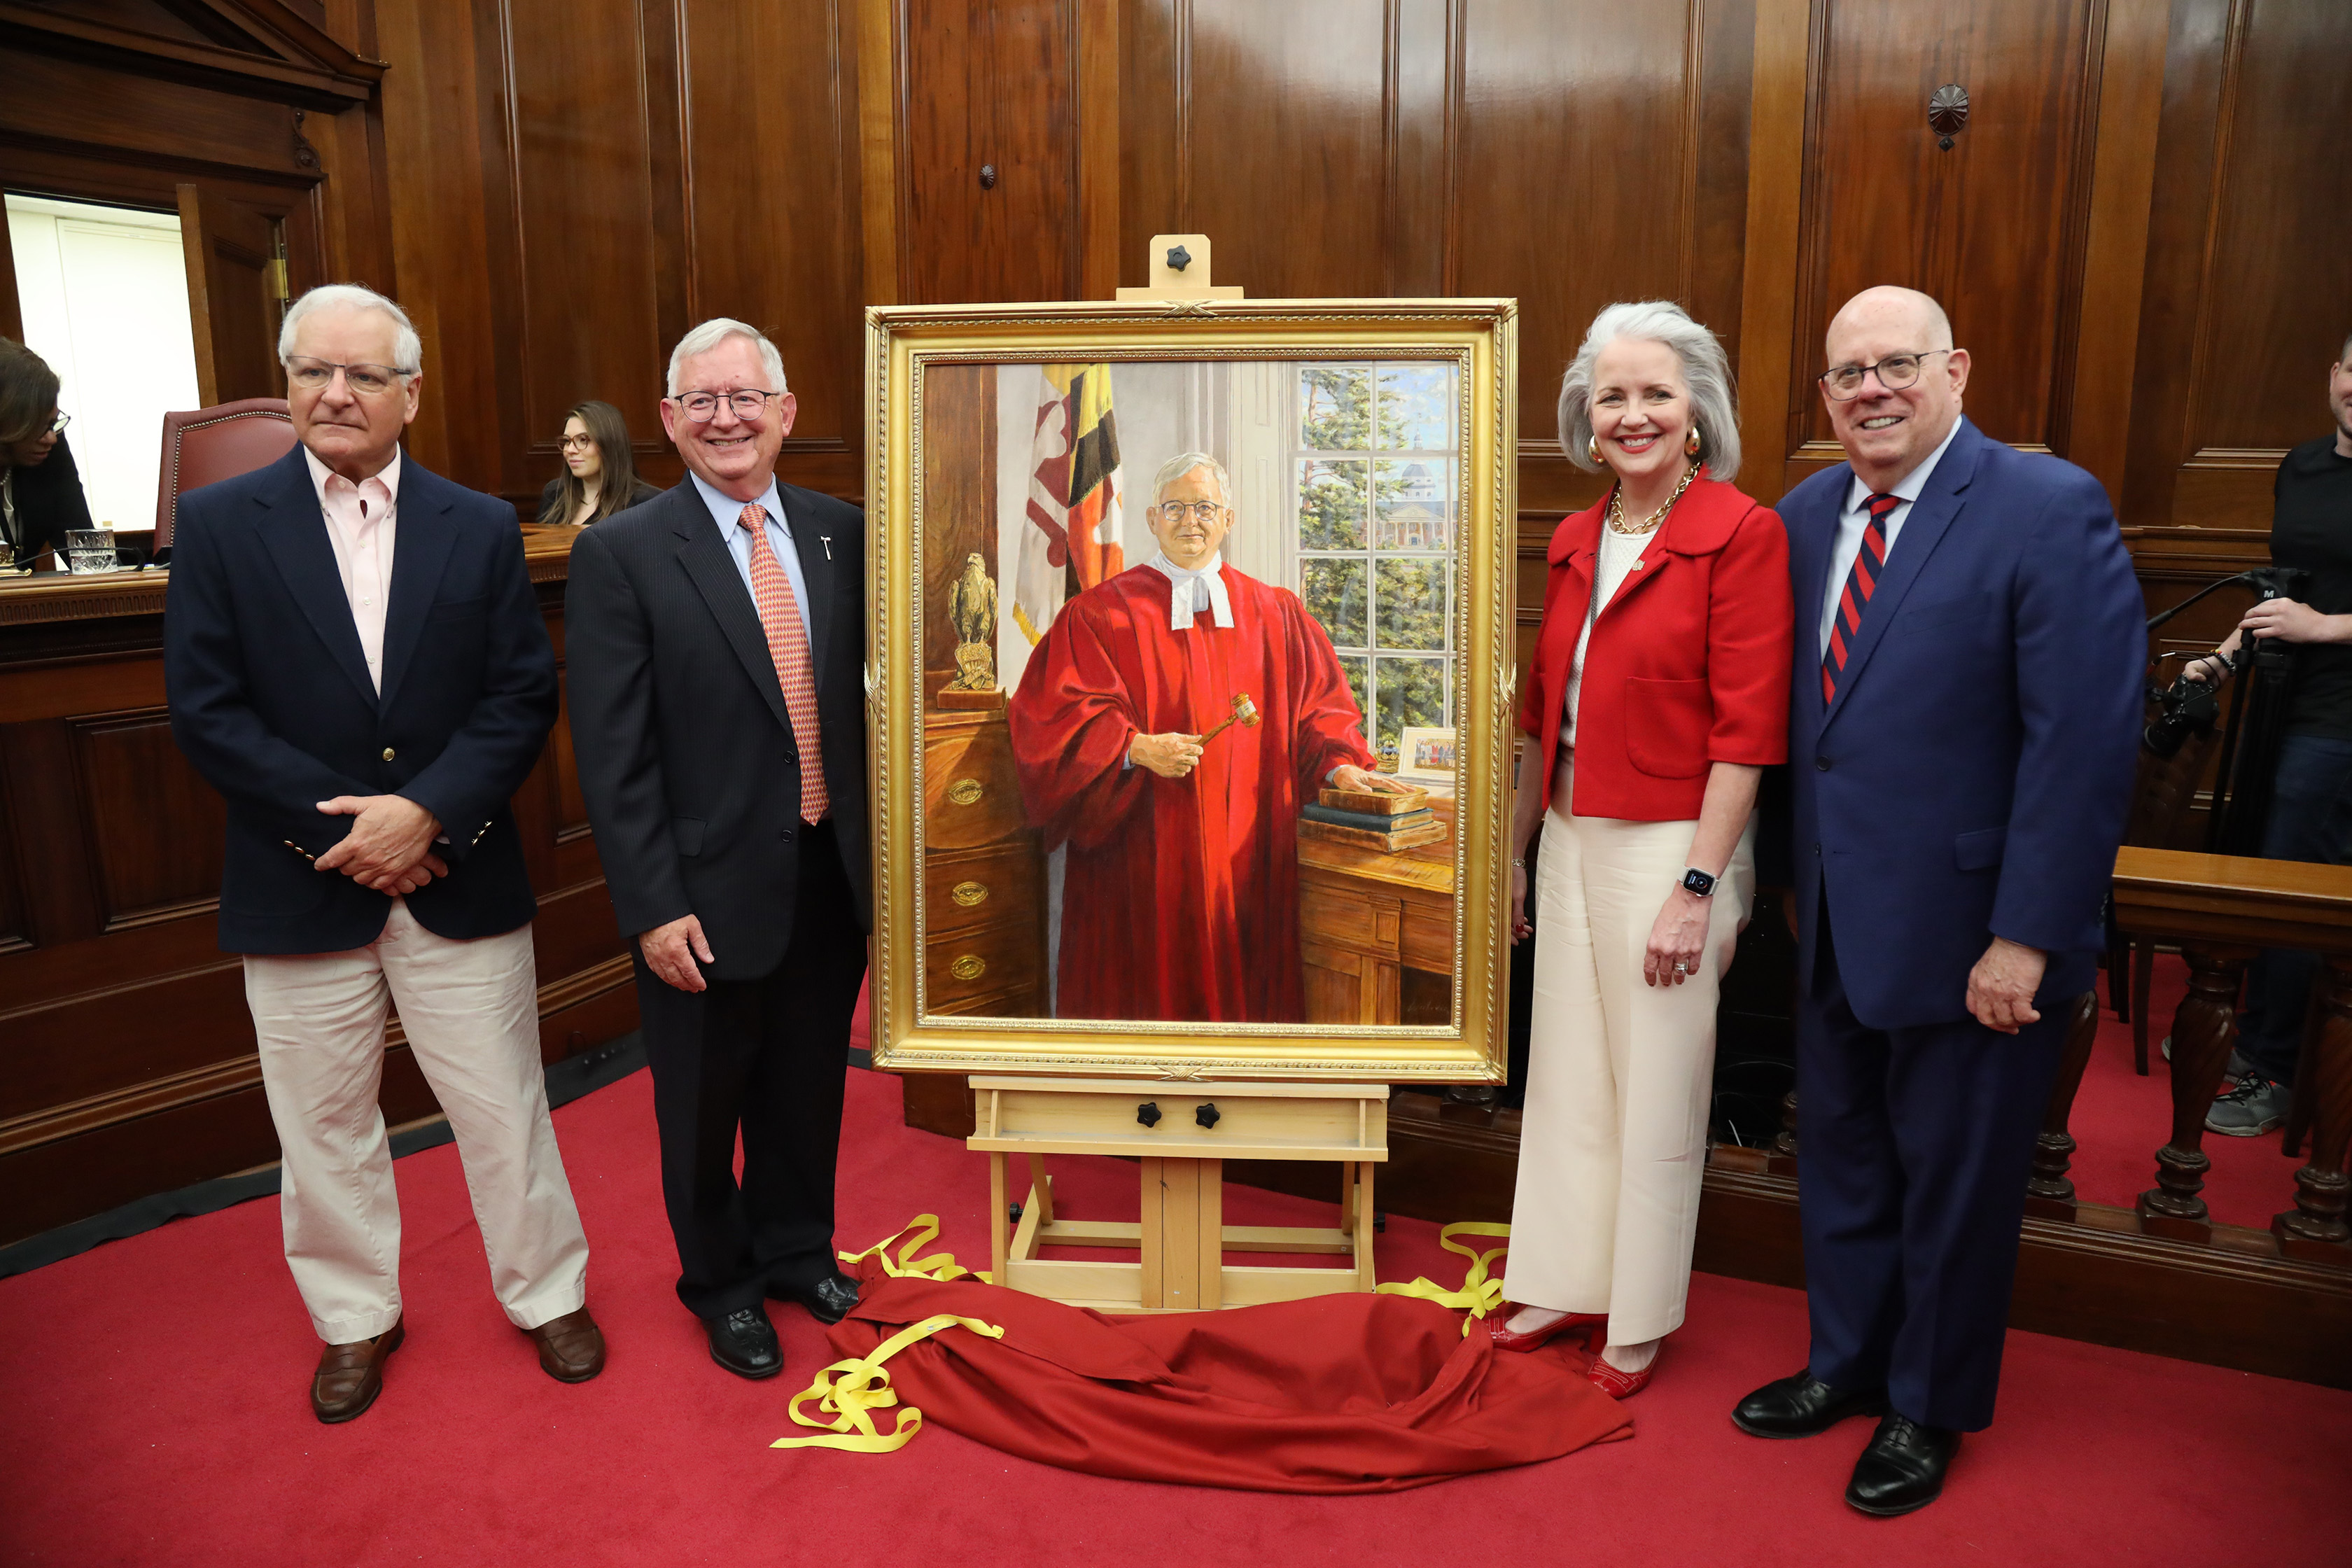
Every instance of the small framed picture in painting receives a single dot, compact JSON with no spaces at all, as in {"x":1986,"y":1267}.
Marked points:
{"x":1158,"y":592}
{"x":1425,"y":755}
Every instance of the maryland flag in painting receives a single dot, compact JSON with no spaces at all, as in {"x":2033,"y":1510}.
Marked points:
{"x":1074,"y":494}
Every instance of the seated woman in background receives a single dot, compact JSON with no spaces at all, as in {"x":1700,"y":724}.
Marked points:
{"x":1658,"y":695}
{"x":40,"y":489}
{"x":599,"y":477}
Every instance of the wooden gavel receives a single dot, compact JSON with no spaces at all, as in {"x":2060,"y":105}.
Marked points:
{"x":1245,"y":713}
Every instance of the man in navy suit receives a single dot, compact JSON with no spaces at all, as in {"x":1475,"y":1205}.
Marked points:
{"x":355,"y":659}
{"x":1966,"y":702}
{"x":715,"y":637}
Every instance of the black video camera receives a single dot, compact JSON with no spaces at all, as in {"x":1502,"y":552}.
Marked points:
{"x":2188,"y":707}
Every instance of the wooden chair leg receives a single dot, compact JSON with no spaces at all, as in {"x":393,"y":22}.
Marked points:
{"x":2143,"y":965}
{"x":2119,"y":969}
{"x":2301,"y":1101}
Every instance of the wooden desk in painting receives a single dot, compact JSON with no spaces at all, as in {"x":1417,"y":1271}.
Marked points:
{"x":1375,"y":931}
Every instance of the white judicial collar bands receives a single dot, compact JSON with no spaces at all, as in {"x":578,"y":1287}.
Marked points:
{"x":1190,"y":593}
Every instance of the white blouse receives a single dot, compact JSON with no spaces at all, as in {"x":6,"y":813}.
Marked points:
{"x":1619,"y":553}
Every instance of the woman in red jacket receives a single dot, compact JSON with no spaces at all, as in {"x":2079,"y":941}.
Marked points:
{"x":1658,"y":695}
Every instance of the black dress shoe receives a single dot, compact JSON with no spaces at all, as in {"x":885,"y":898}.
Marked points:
{"x":744,"y":1342}
{"x":1802,"y":1406}
{"x":1902,"y":1469}
{"x":828,"y":1301}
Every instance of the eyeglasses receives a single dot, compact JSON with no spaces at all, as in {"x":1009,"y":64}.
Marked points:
{"x":368,"y":380}
{"x":58,"y":428}
{"x":703,"y":406}
{"x":576,"y":443}
{"x":1895,"y":372}
{"x":1205,"y":511}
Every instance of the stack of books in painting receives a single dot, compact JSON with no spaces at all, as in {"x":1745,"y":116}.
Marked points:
{"x":1371,"y":819}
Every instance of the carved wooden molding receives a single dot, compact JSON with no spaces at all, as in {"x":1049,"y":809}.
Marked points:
{"x":304,"y":66}
{"x":239,"y":1073}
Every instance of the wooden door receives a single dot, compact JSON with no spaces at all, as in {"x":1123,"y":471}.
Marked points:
{"x":234,"y":295}
{"x":1987,"y":219}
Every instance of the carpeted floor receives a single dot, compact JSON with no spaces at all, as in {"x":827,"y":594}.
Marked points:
{"x":152,"y":1411}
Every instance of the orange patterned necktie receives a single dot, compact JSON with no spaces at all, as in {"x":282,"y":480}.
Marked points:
{"x":788,"y":647}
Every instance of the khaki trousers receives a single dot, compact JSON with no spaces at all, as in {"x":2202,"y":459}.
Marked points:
{"x":470,"y":1010}
{"x":1619,"y":1074}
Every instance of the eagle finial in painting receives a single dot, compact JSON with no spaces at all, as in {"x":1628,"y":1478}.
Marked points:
{"x":972,"y":607}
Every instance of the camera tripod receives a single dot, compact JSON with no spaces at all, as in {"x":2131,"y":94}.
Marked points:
{"x":2246,"y":763}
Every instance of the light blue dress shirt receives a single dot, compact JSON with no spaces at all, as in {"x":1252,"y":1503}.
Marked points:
{"x":727,"y":513}
{"x":1847,"y":543}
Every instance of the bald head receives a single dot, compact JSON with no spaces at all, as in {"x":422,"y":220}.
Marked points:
{"x":1907,"y":311}
{"x":1898,"y":336}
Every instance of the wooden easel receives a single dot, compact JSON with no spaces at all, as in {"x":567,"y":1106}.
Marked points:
{"x":1181,"y":1133}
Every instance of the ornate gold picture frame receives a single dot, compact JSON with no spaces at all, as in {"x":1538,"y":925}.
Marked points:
{"x":1110,"y":843}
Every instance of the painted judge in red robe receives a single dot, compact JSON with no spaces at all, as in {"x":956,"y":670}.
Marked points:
{"x":1180,"y":897}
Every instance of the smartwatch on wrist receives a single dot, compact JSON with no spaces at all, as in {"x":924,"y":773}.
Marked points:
{"x":1699,"y":883}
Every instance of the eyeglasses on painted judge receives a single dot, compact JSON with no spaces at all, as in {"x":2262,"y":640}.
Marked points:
{"x":1203,"y":511}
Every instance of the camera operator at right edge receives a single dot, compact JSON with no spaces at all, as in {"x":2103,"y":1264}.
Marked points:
{"x":2311,"y":807}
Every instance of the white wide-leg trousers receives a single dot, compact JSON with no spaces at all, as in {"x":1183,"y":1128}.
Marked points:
{"x":1613,"y":1140}
{"x":470,"y":1010}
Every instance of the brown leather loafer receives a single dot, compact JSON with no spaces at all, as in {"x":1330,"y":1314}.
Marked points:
{"x":351,"y":1377}
{"x":570,"y":1348}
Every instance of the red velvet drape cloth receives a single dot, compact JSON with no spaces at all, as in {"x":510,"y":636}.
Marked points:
{"x":1352,"y":1393}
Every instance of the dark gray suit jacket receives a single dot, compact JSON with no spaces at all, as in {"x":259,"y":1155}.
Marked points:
{"x":686,"y":751}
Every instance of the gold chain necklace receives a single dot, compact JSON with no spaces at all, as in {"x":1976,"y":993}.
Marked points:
{"x":1617,"y":523}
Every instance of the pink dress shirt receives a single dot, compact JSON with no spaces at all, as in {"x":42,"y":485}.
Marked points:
{"x":362,"y":520}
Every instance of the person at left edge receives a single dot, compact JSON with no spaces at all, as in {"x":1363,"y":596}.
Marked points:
{"x":40,"y":489}
{"x":716,"y":640}
{"x":355,"y":659}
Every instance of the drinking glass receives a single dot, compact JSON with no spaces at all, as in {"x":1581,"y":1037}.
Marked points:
{"x":89,"y":550}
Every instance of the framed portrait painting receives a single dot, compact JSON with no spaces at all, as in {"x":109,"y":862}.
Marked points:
{"x":1189,"y":662}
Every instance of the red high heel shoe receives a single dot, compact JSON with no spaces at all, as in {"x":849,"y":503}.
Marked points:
{"x":1505,"y":1339}
{"x":1619,"y":1384}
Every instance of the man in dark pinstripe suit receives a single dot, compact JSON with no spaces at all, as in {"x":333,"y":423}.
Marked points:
{"x":716,"y":641}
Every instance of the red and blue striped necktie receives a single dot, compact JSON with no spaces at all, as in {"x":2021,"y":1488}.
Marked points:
{"x":1869,"y":563}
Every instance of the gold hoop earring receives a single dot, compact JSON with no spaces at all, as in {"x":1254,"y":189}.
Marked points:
{"x":1691,"y":443}
{"x":1592,"y":449}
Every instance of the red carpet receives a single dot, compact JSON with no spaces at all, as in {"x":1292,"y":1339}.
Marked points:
{"x":2120,"y":1119}
{"x":152,"y":1412}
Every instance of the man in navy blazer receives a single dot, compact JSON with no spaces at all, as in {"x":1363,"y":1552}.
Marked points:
{"x":1961,"y":736}
{"x":355,"y":659}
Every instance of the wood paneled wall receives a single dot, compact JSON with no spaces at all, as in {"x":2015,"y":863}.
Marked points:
{"x":578,"y":184}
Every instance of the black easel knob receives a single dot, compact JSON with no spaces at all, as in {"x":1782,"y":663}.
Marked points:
{"x":1148,"y":1113}
{"x":1207,"y":1115}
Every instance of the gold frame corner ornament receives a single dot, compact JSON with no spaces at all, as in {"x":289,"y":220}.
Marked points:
{"x":1478,"y":335}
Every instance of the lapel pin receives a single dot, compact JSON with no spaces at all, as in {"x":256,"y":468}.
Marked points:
{"x":826,"y":540}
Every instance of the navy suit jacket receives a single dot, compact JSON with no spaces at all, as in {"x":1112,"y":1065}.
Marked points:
{"x":1971,"y":777}
{"x":271,"y":700}
{"x":688,"y":761}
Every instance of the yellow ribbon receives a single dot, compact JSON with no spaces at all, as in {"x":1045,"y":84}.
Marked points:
{"x":850,"y":1391}
{"x":938,"y":1266}
{"x":1480,"y":1293}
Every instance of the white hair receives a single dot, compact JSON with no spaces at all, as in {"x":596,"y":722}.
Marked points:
{"x":407,"y":350}
{"x":1706,"y":372}
{"x":1183,"y":463}
{"x":716,"y":330}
